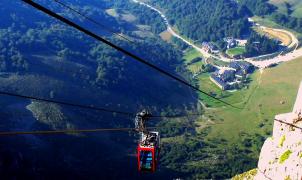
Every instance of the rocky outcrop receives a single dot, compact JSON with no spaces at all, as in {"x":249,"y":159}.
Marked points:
{"x":281,"y":154}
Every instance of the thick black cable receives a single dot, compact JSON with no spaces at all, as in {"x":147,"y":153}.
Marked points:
{"x":93,"y":21}
{"x":91,"y":34}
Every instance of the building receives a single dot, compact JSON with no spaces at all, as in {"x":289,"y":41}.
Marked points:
{"x":245,"y":67}
{"x":233,"y":76}
{"x":215,"y":79}
{"x":241,"y":42}
{"x":210,"y":47}
{"x":231,"y":42}
{"x":227,"y":75}
{"x":240,"y":74}
{"x":223,"y":78}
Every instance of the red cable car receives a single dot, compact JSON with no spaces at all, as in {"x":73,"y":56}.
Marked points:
{"x":149,"y":144}
{"x":148,"y":151}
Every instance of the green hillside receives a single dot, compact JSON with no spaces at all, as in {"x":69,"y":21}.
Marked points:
{"x":295,"y":7}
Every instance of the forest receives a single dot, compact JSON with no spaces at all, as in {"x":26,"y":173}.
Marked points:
{"x":43,"y":57}
{"x":259,"y":45}
{"x":206,"y":20}
{"x":258,"y":7}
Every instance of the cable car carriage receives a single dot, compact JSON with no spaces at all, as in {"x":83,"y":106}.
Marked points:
{"x":149,"y":145}
{"x":148,"y":151}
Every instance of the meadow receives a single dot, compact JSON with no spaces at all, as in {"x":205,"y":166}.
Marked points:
{"x":236,"y":51}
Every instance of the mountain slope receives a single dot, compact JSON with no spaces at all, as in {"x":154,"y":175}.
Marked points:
{"x":43,"y":57}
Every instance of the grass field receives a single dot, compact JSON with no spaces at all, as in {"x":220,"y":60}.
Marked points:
{"x":217,"y":62}
{"x":189,"y":56}
{"x":236,"y":51}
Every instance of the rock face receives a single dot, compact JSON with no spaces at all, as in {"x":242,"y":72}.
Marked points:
{"x":281,"y":154}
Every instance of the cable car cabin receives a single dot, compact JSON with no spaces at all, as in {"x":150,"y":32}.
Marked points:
{"x":148,"y":151}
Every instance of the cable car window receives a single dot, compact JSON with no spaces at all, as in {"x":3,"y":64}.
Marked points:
{"x":146,"y":160}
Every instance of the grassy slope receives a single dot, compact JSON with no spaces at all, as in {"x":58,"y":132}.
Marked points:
{"x":189,"y":56}
{"x":296,"y":6}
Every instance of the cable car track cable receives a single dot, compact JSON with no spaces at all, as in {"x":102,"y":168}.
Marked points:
{"x":135,"y":57}
{"x":74,"y":131}
{"x":66,"y":131}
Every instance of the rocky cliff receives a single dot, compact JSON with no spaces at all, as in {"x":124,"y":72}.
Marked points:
{"x":281,"y":154}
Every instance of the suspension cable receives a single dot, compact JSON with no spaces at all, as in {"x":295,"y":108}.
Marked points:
{"x":289,"y":124}
{"x":135,"y":57}
{"x":74,"y":131}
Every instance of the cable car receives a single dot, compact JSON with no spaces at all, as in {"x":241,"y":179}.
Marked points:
{"x":148,"y":151}
{"x":149,"y":144}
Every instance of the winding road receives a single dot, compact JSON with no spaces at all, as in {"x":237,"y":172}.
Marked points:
{"x":260,"y":64}
{"x":172,"y":32}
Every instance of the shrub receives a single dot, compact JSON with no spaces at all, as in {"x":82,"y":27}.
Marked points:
{"x":285,"y":156}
